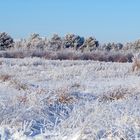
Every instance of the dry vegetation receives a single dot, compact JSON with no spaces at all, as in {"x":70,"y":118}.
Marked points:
{"x":117,"y":94}
{"x":71,"y":55}
{"x":61,"y":100}
{"x":5,"y":77}
{"x":136,"y":63}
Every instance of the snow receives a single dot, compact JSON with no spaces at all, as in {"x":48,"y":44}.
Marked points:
{"x":68,"y":100}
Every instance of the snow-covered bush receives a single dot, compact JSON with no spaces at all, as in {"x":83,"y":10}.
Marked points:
{"x":6,"y":41}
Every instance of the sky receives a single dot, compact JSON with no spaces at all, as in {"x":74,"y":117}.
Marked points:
{"x":106,"y":20}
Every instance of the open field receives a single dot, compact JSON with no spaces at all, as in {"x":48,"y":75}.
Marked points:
{"x":68,"y":100}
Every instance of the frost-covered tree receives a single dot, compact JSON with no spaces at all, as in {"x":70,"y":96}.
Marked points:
{"x":90,"y":44}
{"x":68,"y":41}
{"x":119,"y":46}
{"x":112,"y":46}
{"x":35,"y":41}
{"x":20,"y":44}
{"x":136,"y":45}
{"x":107,"y":46}
{"x":73,"y":41}
{"x":116,"y":46}
{"x":55,"y":43}
{"x":78,"y":41}
{"x":6,"y":41}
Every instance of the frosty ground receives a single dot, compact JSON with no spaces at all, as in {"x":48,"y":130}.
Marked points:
{"x":68,"y":100}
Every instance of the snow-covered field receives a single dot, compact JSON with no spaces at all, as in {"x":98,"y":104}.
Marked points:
{"x":68,"y":100}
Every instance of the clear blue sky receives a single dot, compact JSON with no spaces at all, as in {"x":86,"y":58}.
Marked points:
{"x":107,"y":20}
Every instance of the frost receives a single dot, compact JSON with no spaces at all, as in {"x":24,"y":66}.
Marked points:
{"x":68,"y":100}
